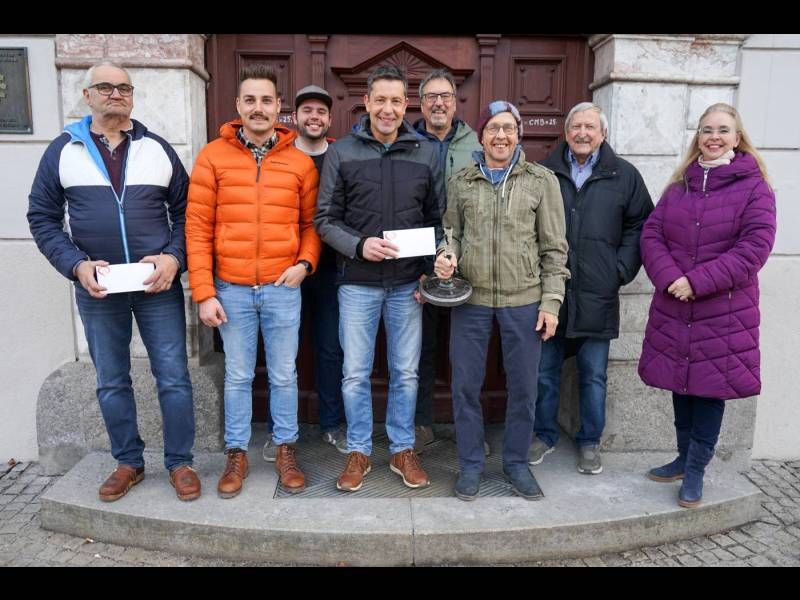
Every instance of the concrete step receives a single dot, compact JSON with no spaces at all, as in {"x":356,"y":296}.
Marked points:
{"x":581,"y":515}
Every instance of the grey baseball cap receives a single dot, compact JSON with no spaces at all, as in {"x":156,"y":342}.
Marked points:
{"x":315,"y":92}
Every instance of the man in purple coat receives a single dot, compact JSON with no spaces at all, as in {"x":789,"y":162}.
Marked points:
{"x":702,"y":248}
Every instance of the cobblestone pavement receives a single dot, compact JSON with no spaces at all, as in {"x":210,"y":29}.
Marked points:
{"x":772,"y":541}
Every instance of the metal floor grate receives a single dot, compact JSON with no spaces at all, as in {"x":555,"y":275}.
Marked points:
{"x":322,"y":464}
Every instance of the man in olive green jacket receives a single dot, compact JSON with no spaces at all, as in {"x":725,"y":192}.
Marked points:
{"x":504,"y":228}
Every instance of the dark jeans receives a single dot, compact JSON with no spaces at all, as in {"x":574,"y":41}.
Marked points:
{"x":161,"y":319}
{"x":701,"y":417}
{"x":321,"y":307}
{"x":592,"y":357}
{"x":427,"y":364}
{"x":471,"y":328}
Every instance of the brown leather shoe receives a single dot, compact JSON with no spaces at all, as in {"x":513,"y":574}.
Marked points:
{"x":354,"y":472}
{"x":406,"y":464}
{"x":236,"y":470}
{"x":120,"y":481}
{"x":186,"y":482}
{"x":290,"y":475}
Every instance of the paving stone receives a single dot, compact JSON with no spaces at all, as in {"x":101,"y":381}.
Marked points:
{"x":614,"y":560}
{"x":722,"y":540}
{"x":653,"y":553}
{"x":723,"y":554}
{"x":634,"y":556}
{"x":755,"y":546}
{"x":708,"y":557}
{"x":594,"y":562}
{"x":738,"y":536}
{"x":689,"y":546}
{"x":689,"y":560}
{"x":740,"y":551}
{"x":704,"y":543}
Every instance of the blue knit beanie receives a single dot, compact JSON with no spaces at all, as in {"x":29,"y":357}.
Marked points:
{"x":495,"y":108}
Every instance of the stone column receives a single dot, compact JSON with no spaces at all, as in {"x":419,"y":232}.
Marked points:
{"x":169,"y":74}
{"x":653,"y":89}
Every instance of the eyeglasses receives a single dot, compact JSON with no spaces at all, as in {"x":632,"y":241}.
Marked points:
{"x":712,"y":131}
{"x":447,"y":97}
{"x":508,"y":128}
{"x":106,"y":89}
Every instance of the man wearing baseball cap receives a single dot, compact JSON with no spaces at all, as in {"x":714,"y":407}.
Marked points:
{"x":312,"y":118}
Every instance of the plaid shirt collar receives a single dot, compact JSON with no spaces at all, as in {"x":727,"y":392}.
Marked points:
{"x":258,"y":151}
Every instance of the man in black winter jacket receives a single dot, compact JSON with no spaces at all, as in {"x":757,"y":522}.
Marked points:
{"x":379,"y":178}
{"x":605,"y":204}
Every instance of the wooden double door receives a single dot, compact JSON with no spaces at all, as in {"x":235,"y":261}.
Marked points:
{"x":544,"y":76}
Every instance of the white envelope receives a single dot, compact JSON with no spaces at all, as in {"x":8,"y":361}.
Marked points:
{"x":413,"y":242}
{"x":124,"y":277}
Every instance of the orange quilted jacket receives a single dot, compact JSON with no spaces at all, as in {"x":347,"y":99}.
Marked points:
{"x":246,"y":225}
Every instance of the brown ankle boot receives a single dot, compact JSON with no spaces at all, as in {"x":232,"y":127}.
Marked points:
{"x":236,"y":469}
{"x":291,"y":477}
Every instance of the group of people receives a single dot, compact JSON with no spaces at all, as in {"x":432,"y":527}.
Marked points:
{"x":274,"y":218}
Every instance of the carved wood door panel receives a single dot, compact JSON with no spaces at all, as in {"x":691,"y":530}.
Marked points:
{"x":543,"y":76}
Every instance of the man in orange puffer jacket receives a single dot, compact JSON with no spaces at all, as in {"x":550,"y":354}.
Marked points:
{"x":250,"y":243}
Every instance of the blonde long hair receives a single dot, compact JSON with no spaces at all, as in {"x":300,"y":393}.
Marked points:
{"x":745,"y":144}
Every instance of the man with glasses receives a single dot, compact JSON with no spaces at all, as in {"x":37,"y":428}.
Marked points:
{"x":125,"y":193}
{"x":377,"y":179}
{"x":454,"y":142}
{"x":505,"y":220}
{"x":606,"y":204}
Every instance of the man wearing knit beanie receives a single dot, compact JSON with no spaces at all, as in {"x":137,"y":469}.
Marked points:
{"x":495,"y":108}
{"x":505,"y":230}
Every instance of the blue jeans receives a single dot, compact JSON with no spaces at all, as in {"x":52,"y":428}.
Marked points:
{"x":320,"y":295}
{"x":470,"y":330}
{"x":276,"y":310}
{"x":321,"y":313}
{"x":592,"y":357}
{"x":360,"y":310}
{"x":700,"y":417}
{"x":161,"y":319}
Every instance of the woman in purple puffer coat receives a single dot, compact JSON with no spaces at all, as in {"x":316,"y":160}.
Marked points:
{"x":702,"y":248}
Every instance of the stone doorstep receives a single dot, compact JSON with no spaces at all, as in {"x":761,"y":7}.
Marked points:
{"x":580,"y":516}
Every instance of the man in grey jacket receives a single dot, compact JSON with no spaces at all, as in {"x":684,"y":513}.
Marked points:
{"x":379,"y":178}
{"x":454,"y":141}
{"x":505,"y":225}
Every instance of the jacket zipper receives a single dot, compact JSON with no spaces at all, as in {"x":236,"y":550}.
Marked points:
{"x":121,"y":201}
{"x":705,"y":178}
{"x":258,"y":217}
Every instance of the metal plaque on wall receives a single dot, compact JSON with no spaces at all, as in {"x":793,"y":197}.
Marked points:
{"x":15,"y":97}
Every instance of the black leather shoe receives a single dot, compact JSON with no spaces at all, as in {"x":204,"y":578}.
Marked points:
{"x":524,"y":483}
{"x":467,"y":485}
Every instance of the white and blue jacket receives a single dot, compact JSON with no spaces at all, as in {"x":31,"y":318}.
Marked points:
{"x":146,"y":218}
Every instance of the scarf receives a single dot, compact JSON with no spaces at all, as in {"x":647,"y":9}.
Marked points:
{"x":725,"y":159}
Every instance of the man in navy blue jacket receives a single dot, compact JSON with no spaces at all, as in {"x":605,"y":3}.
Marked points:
{"x":125,"y":192}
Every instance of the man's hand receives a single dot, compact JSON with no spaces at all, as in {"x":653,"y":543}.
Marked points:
{"x":546,"y":325}
{"x":681,"y":289}
{"x":417,"y":296}
{"x":445,"y":265}
{"x":164,"y":274}
{"x":87,"y":277}
{"x":378,"y":249}
{"x":292,"y":277}
{"x":212,"y":313}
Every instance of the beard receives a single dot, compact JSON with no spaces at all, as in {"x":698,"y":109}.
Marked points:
{"x":304,"y":132}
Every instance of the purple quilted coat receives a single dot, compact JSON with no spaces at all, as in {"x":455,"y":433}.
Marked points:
{"x":717,"y":228}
